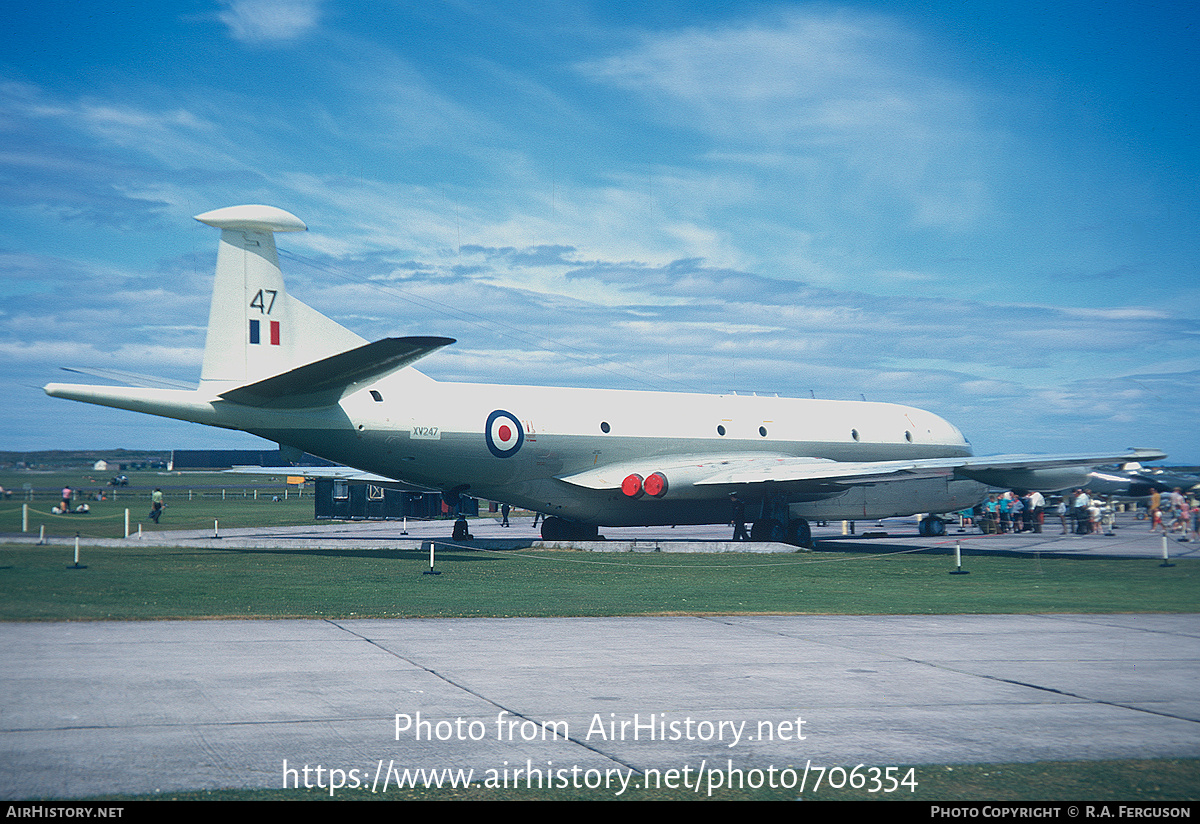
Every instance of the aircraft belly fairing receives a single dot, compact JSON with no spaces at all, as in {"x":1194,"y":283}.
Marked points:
{"x":275,"y":367}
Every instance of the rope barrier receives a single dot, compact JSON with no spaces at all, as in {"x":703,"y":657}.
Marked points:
{"x":508,"y":553}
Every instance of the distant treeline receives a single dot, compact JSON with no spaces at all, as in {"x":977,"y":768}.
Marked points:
{"x":72,"y":458}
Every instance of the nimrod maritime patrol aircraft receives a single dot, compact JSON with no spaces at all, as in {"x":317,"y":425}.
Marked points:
{"x":584,"y":457}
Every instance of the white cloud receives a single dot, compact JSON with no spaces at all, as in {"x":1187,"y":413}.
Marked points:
{"x":851,"y":102}
{"x":270,"y":21}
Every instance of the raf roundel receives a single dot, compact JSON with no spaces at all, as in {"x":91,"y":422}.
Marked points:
{"x":503,"y":434}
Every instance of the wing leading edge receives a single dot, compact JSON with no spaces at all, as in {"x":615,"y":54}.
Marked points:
{"x":1042,"y":472}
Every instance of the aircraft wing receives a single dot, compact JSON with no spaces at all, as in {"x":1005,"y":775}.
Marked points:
{"x":995,"y":469}
{"x":748,"y":469}
{"x":1043,"y":472}
{"x":323,"y":381}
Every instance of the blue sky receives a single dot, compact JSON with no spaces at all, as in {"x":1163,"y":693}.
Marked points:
{"x":986,"y":210}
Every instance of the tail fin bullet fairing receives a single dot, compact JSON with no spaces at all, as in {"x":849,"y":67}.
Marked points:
{"x":255,"y":329}
{"x":277,"y":368}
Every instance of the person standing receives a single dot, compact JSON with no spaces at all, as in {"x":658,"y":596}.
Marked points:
{"x":66,"y":499}
{"x":156,"y":504}
{"x":991,"y":519}
{"x":1081,"y":512}
{"x":1176,"y":498}
{"x":1036,"y":511}
{"x":739,"y":519}
{"x":1185,"y":520}
{"x":1016,"y":513}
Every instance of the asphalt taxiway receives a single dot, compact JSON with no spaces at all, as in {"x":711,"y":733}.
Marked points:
{"x":1128,"y":538}
{"x":145,"y":707}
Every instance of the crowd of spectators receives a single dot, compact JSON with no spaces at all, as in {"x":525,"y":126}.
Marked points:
{"x":1081,"y":513}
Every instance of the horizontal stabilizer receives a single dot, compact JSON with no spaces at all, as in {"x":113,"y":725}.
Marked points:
{"x":323,"y":382}
{"x":333,"y":472}
{"x":131,"y":378}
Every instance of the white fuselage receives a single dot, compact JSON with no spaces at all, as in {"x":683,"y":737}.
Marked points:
{"x":433,"y":434}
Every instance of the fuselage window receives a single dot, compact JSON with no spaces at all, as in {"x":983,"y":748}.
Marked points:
{"x":854,"y":434}
{"x":378,"y":397}
{"x":762,"y":430}
{"x":604,"y":427}
{"x":721,"y":430}
{"x":908,"y":436}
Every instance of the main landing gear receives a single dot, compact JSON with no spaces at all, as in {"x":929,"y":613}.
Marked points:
{"x":560,"y":529}
{"x":931,"y":526}
{"x":776,"y":524}
{"x":796,"y":532}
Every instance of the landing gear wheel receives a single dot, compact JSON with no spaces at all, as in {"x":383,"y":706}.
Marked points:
{"x":767,"y":529}
{"x":585,"y":532}
{"x":559,"y":529}
{"x":800,"y":533}
{"x":931,"y":527}
{"x":554,"y":529}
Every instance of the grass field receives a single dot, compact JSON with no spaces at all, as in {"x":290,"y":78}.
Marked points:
{"x":193,"y":501}
{"x":147,"y":582}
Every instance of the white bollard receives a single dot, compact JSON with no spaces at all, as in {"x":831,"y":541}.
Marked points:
{"x":77,"y":565}
{"x":958,"y":570}
{"x":431,"y":570}
{"x":1166,"y":556}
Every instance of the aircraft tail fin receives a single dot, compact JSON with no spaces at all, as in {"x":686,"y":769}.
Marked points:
{"x":255,"y":328}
